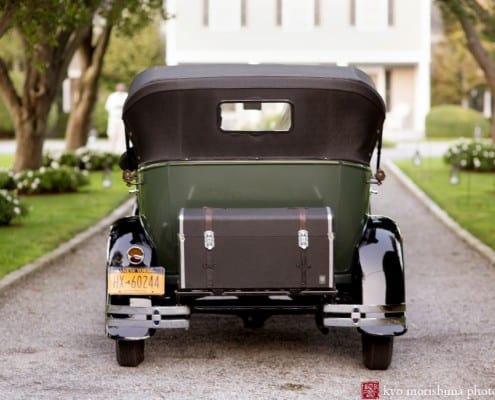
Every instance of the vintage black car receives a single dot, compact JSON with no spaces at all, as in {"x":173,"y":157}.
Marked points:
{"x":253,"y":199}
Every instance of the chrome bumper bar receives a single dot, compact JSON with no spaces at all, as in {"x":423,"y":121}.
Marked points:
{"x":389,"y":319}
{"x":169,"y":317}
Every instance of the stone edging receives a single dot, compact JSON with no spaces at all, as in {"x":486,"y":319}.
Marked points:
{"x":440,"y":213}
{"x":65,"y":247}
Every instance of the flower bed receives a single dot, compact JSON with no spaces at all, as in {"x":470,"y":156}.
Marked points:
{"x":471,"y":156}
{"x":83,"y":158}
{"x":61,"y":173}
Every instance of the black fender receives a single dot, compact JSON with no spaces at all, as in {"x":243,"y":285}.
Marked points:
{"x":381,"y":262}
{"x":127,"y":232}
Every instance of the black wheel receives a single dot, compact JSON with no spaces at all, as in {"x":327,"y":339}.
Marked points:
{"x":377,"y":351}
{"x":130,"y":353}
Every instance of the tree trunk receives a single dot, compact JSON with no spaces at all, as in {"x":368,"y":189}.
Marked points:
{"x":29,"y":143}
{"x":76,"y":134}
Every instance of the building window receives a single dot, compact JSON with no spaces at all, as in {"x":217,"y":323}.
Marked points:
{"x":224,"y":15}
{"x":388,"y":89}
{"x":278,"y":13}
{"x":372,"y":15}
{"x":391,"y":12}
{"x":297,"y":15}
{"x":317,"y":16}
{"x":243,"y":12}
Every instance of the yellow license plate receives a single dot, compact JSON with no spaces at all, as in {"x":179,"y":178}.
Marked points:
{"x":137,"y":281}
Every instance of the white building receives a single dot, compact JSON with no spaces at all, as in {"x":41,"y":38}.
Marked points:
{"x":388,"y":39}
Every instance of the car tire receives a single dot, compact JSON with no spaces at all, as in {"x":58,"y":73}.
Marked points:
{"x":377,"y":351}
{"x":130,"y":353}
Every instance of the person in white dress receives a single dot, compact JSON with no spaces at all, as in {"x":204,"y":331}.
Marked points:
{"x":115,"y":130}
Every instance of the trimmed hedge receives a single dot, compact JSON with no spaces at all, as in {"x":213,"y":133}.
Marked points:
{"x":452,"y":121}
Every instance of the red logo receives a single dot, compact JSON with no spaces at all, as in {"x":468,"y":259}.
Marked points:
{"x":370,"y":390}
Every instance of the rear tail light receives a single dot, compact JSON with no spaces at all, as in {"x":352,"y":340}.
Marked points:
{"x":135,"y":255}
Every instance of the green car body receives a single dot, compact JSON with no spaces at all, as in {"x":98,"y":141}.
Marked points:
{"x":238,"y":184}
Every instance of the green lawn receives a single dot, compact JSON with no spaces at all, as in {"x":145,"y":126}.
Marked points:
{"x":471,"y":203}
{"x":54,"y":219}
{"x":6,"y":160}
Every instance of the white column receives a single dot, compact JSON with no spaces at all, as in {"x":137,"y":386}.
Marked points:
{"x":171,"y":34}
{"x":422,"y":95}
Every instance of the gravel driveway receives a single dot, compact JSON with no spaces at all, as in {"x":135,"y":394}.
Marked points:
{"x":53,"y":344}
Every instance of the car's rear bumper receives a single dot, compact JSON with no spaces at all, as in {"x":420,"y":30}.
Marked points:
{"x":372,"y":319}
{"x":140,"y":319}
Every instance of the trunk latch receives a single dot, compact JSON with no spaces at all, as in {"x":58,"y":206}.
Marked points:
{"x":303,"y":239}
{"x":209,"y":240}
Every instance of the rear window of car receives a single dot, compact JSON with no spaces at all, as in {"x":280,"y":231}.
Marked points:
{"x":255,"y":116}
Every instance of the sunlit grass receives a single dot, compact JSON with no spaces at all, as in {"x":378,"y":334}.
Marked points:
{"x":54,"y":219}
{"x":471,"y":203}
{"x":6,"y":160}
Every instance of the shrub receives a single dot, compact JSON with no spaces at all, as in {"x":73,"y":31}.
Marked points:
{"x":82,"y":158}
{"x":451,"y":121}
{"x":10,"y":207}
{"x":7,"y":181}
{"x":54,"y":179}
{"x":471,"y":155}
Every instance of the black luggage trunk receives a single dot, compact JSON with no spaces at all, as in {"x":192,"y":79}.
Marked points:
{"x":256,"y":248}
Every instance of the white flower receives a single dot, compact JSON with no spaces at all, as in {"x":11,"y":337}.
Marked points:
{"x":476,"y":162}
{"x":463,"y":163}
{"x":54,"y":165}
{"x":17,"y":210}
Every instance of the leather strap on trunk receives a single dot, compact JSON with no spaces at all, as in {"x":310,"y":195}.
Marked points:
{"x":208,"y":266}
{"x":303,"y":266}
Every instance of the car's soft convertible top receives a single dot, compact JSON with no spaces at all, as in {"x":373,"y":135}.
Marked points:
{"x":172,"y":113}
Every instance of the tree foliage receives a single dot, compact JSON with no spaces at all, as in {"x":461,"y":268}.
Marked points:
{"x":477,"y":20}
{"x":454,"y":71}
{"x":50,"y":32}
{"x":125,"y":58}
